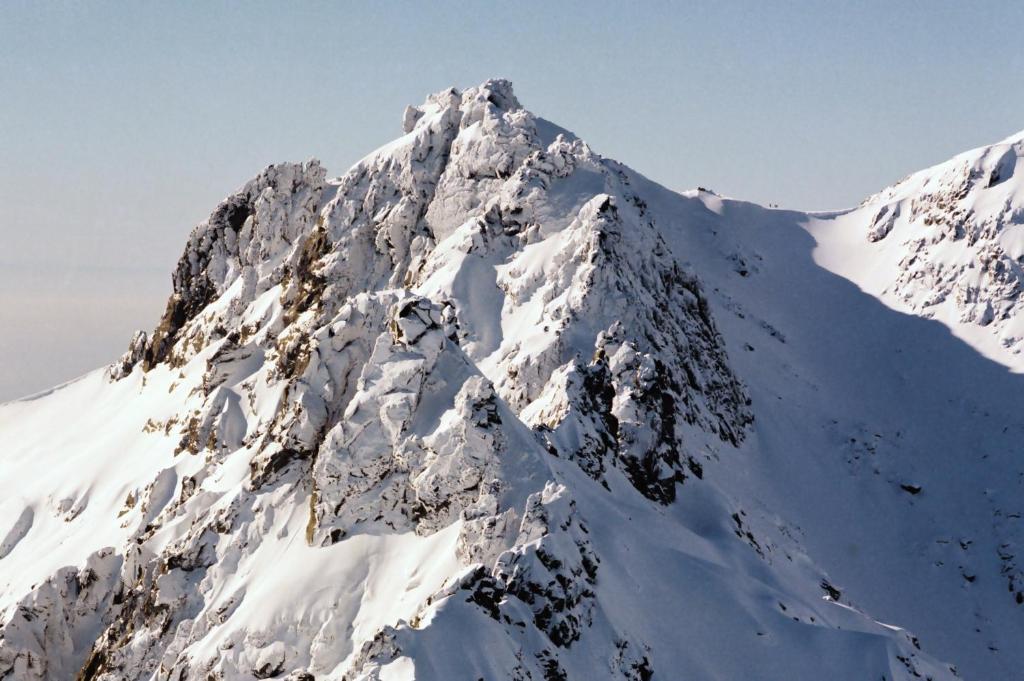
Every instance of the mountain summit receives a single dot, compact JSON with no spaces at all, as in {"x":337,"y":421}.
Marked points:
{"x":492,"y":406}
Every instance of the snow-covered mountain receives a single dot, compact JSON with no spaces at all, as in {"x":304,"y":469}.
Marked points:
{"x":491,"y":406}
{"x":947,"y":243}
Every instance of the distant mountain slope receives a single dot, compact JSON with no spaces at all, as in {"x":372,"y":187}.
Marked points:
{"x":492,"y":406}
{"x":946,"y":243}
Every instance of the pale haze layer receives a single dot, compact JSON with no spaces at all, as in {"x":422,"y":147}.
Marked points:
{"x":122,"y":126}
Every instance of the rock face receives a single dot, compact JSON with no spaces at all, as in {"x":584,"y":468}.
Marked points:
{"x":446,"y":416}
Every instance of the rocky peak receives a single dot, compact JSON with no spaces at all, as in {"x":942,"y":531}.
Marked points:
{"x":411,"y":346}
{"x":551,"y":234}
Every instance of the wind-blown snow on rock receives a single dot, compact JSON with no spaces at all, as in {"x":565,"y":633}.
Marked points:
{"x":463,"y":412}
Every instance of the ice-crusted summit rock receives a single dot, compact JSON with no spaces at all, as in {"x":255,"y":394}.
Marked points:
{"x":465,"y":411}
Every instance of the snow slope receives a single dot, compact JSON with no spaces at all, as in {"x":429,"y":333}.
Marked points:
{"x":492,"y":406}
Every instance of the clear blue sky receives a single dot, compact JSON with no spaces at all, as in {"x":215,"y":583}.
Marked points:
{"x":122,"y":125}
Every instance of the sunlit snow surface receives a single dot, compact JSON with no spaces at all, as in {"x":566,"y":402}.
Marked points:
{"x":400,"y":434}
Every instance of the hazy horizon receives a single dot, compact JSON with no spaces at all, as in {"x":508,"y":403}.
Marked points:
{"x":122,"y":126}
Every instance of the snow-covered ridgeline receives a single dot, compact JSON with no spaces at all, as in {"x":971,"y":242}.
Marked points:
{"x":459,"y":413}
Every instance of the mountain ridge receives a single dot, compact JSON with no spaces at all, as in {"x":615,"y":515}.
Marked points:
{"x":465,"y":367}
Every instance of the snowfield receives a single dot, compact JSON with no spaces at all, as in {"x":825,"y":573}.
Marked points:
{"x":492,"y":406}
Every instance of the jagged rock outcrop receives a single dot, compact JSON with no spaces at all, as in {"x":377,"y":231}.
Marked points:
{"x":247,"y":242}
